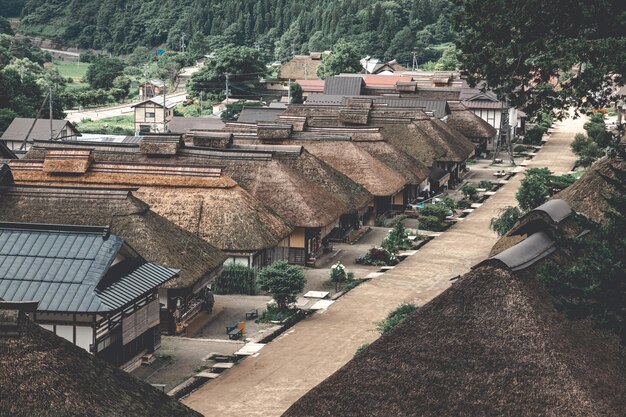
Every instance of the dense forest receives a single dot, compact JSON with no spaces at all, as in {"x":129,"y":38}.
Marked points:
{"x":278,"y":28}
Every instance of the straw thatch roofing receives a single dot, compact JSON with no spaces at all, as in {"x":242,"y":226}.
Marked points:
{"x":357,"y":164}
{"x":230,"y":218}
{"x":589,"y":193}
{"x":285,"y":191}
{"x":215,"y":209}
{"x":351,"y":193}
{"x":469,"y":124}
{"x":301,"y":67}
{"x":42,"y":374}
{"x":491,"y":345}
{"x":414,"y":171}
{"x":154,"y":237}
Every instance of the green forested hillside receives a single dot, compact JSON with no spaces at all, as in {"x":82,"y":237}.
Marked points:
{"x":279,"y":28}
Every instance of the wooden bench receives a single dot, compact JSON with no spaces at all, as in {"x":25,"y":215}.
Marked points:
{"x":234,"y":334}
{"x":252,"y":314}
{"x":231,"y":326}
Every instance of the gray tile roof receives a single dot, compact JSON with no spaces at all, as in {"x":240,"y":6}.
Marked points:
{"x":19,"y":127}
{"x":345,"y":86}
{"x":62,"y":267}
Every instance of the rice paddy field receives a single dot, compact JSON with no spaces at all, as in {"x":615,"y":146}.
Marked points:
{"x":74,"y":70}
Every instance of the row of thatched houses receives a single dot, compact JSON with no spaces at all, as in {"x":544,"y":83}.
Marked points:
{"x":493,"y":344}
{"x":250,"y":193}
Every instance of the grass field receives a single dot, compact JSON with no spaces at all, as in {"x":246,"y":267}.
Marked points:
{"x":74,"y":70}
{"x":118,"y":125}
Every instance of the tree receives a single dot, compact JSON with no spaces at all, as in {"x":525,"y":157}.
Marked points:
{"x":526,"y":50}
{"x":448,"y":60}
{"x":6,"y":117}
{"x":122,"y":83}
{"x":5,"y":27}
{"x":533,"y":190}
{"x":283,"y":281}
{"x":586,"y":149}
{"x":169,"y":65}
{"x":469,"y":191}
{"x":508,"y":217}
{"x":396,"y":239}
{"x":103,"y":70}
{"x":344,"y":58}
{"x":243,"y":65}
{"x":296,"y":93}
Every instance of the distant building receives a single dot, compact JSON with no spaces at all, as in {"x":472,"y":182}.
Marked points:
{"x":93,"y":289}
{"x":150,"y":117}
{"x":182,"y":125}
{"x":17,"y":132}
{"x":151,"y":89}
{"x":376,"y":66}
{"x":302,"y":67}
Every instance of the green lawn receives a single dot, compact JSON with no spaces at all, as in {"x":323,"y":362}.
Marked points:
{"x":118,"y":125}
{"x":74,"y":70}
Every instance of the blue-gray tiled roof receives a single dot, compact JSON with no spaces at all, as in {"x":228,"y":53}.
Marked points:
{"x":61,"y":266}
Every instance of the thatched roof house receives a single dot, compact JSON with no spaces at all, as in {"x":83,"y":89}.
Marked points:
{"x":490,"y":345}
{"x":198,"y":198}
{"x":470,"y":125}
{"x":44,"y":375}
{"x":588,"y":195}
{"x":301,"y":67}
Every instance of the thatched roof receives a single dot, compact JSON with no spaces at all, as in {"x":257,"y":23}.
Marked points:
{"x":42,"y":374}
{"x":295,"y":69}
{"x":298,"y":200}
{"x":589,"y":193}
{"x":414,"y":171}
{"x":357,"y":164}
{"x":231,"y":219}
{"x":491,"y":345}
{"x":195,"y":197}
{"x":469,"y":124}
{"x":154,"y":237}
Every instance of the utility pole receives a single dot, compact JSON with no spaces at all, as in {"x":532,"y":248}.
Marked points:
{"x":50,"y":102}
{"x":306,"y":70}
{"x":227,"y":88}
{"x":182,"y":43}
{"x":164,"y":108}
{"x":414,"y":66}
{"x":289,"y":93}
{"x":145,"y":84}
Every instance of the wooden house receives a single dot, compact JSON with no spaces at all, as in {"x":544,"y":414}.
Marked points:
{"x":154,"y":237}
{"x":43,"y":374}
{"x":23,"y":131}
{"x":93,"y":289}
{"x":471,"y":126}
{"x":151,"y":89}
{"x":301,"y":67}
{"x":153,"y":115}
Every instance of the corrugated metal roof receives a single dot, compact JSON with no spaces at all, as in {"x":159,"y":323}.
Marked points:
{"x":345,"y":86}
{"x":530,"y":250}
{"x":438,"y":107}
{"x":61,"y":267}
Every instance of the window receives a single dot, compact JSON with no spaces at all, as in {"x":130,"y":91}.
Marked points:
{"x":144,"y":128}
{"x":150,"y":115}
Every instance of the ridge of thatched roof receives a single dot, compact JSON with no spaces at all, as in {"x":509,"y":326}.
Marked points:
{"x":414,"y":171}
{"x":154,"y":237}
{"x":45,"y":375}
{"x":469,"y":124}
{"x":588,"y":195}
{"x":490,"y":345}
{"x":357,"y":164}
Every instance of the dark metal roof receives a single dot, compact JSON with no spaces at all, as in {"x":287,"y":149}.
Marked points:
{"x":5,"y":152}
{"x":62,"y":266}
{"x":557,"y":209}
{"x":532,"y":249}
{"x":438,"y":107}
{"x":259,"y":114}
{"x":345,"y":86}
{"x":19,"y":127}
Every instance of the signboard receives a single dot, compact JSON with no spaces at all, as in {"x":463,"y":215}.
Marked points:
{"x":160,"y":51}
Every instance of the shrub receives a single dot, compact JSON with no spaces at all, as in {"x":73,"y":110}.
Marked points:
{"x":274,"y":313}
{"x":449,"y":203}
{"x":520,"y":149}
{"x":395,"y":317}
{"x":396,"y":239}
{"x":283,"y":281}
{"x":486,"y":184}
{"x":338,"y":274}
{"x":534,"y":135}
{"x":379,"y":257}
{"x":438,"y":210}
{"x":431,"y":223}
{"x":469,"y":191}
{"x":236,"y":279}
{"x":361,"y":349}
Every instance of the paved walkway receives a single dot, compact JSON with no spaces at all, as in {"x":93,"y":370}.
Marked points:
{"x":312,"y":350}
